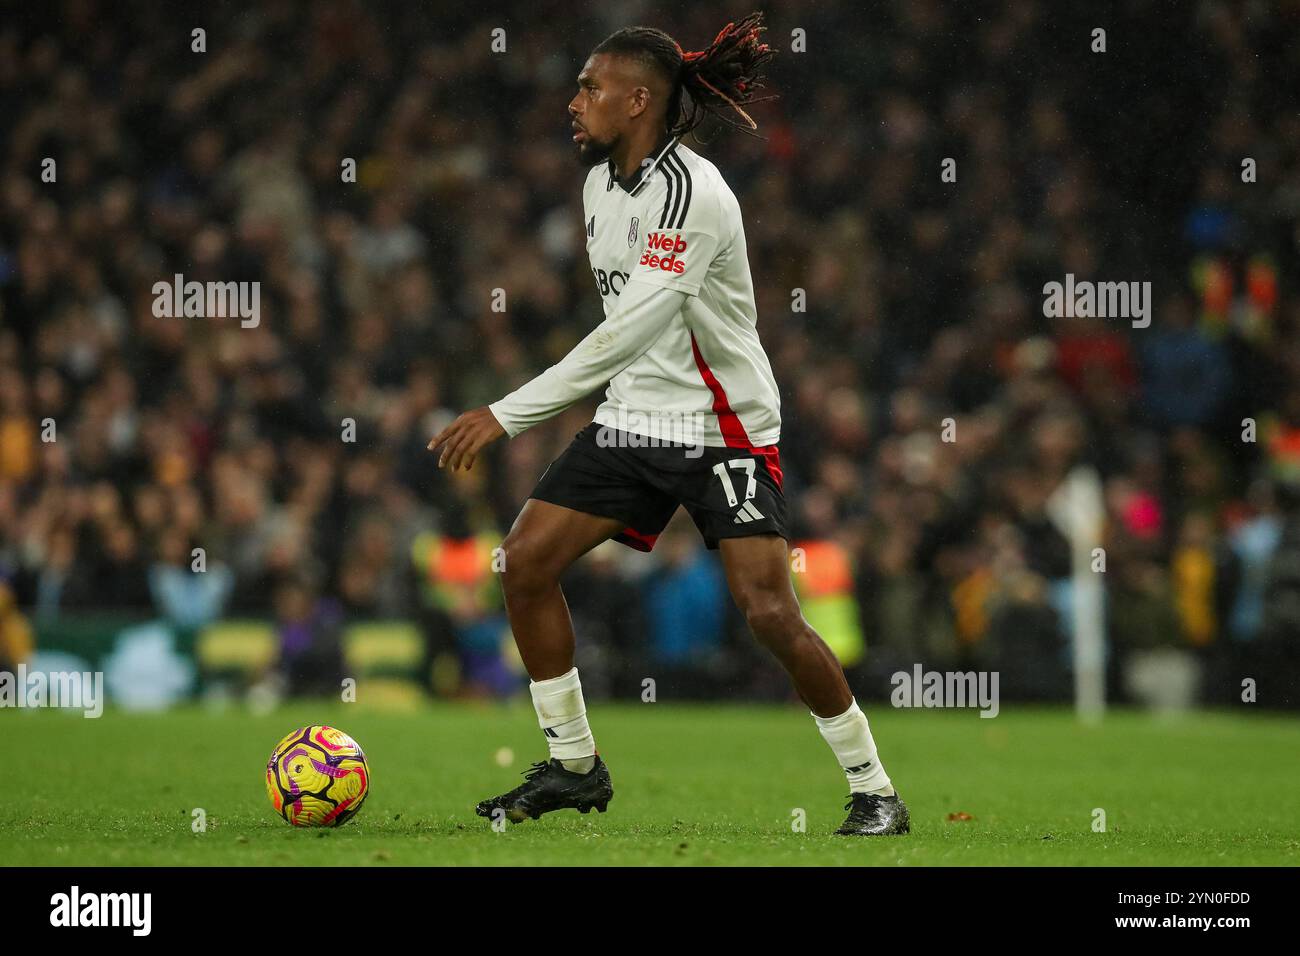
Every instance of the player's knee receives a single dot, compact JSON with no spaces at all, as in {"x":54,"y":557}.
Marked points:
{"x":774,"y":619}
{"x":526,"y":566}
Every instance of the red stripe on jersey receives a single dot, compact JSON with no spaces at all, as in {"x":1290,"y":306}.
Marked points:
{"x":773,"y":459}
{"x":733,"y":432}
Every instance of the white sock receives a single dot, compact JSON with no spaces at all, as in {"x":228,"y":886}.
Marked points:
{"x":562,"y":714}
{"x":850,"y":739}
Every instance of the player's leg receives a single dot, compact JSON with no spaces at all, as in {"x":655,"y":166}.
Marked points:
{"x":758,"y":574}
{"x":585,"y":497}
{"x":545,"y":539}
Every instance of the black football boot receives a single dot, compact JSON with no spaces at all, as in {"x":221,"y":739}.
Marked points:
{"x":873,"y":815}
{"x":548,"y":786}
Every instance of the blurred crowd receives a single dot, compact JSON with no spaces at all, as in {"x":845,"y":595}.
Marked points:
{"x":136,"y":450}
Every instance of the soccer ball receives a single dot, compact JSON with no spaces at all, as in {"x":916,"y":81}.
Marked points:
{"x":317,"y":777}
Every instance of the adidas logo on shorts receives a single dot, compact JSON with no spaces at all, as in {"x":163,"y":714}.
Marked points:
{"x":747,"y":513}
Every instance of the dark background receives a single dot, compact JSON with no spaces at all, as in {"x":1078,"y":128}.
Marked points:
{"x":924,"y":303}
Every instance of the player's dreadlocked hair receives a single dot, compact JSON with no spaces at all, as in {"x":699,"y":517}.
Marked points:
{"x":717,"y":81}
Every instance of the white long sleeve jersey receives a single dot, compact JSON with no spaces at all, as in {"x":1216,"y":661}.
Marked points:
{"x":679,"y":345}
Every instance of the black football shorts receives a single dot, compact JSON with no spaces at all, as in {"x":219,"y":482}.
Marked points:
{"x":729,"y":492}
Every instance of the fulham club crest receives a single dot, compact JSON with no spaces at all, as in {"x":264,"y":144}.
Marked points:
{"x":631,"y":233}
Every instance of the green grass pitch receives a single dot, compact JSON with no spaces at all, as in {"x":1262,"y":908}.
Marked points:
{"x":693,"y":785}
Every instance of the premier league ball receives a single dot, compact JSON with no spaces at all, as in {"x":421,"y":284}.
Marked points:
{"x":317,"y":777}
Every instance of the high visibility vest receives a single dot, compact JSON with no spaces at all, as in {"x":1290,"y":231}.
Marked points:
{"x":823,"y":580}
{"x":451,"y":568}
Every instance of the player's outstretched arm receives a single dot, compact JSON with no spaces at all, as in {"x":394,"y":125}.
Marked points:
{"x":644,"y":312}
{"x":464,"y":438}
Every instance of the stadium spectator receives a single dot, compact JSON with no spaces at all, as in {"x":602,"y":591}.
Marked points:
{"x":920,"y":304}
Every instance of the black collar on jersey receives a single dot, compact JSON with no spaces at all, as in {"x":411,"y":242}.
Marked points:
{"x":643,"y":171}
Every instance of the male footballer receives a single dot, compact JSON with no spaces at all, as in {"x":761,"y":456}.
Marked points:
{"x":691,"y":416}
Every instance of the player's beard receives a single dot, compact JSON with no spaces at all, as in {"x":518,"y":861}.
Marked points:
{"x":593,"y":151}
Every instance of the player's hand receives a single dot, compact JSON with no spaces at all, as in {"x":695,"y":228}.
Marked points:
{"x":462,"y":440}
